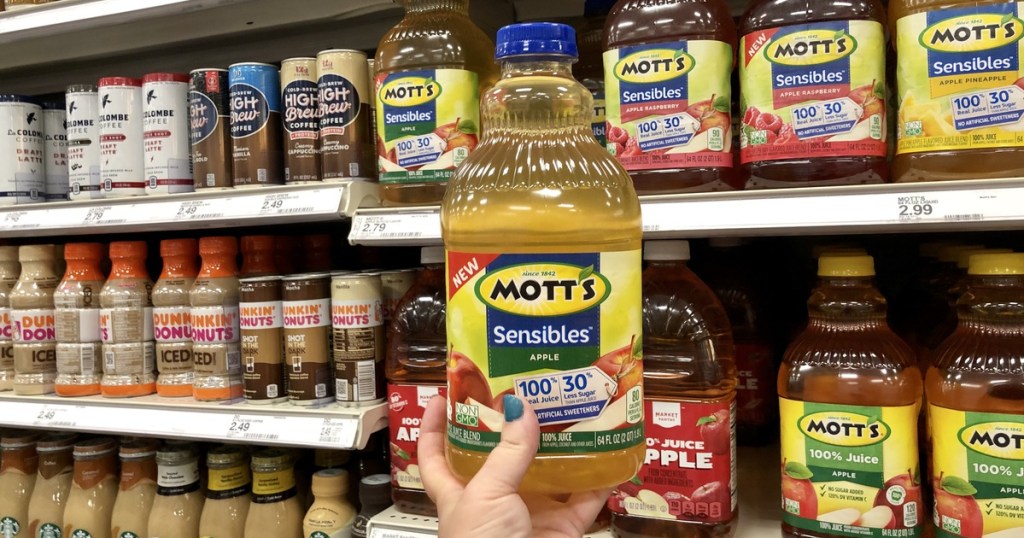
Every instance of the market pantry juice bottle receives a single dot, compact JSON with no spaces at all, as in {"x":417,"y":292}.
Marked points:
{"x":542,"y":231}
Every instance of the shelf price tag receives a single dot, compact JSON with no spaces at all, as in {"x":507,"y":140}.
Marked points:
{"x":378,"y":532}
{"x":197,"y":210}
{"x":917,"y":208}
{"x":251,"y":428}
{"x":422,"y":225}
{"x":51,"y":416}
{"x":290,"y":203}
{"x":338,"y":431}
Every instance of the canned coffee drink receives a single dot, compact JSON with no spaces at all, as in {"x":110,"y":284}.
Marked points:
{"x":55,"y":150}
{"x":255,"y":99}
{"x":262,"y":327}
{"x":346,"y":151}
{"x":209,"y":128}
{"x":357,"y":323}
{"x":306,"y":301}
{"x":82,"y":104}
{"x":165,"y":129}
{"x":122,"y":165}
{"x":301,"y":119}
{"x":21,"y":151}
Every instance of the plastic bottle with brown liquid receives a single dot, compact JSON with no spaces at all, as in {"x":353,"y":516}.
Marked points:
{"x":316,"y":253}
{"x":9,"y":271}
{"x":18,"y":465}
{"x":90,"y":504}
{"x":432,"y":68}
{"x":668,"y":90}
{"x":34,"y":321}
{"x":136,"y":490}
{"x":126,"y":324}
{"x":227,"y":493}
{"x":415,"y":370}
{"x":849,"y":395}
{"x":77,"y":305}
{"x":813,"y":91}
{"x":215,"y":322}
{"x":50,"y":494}
{"x":689,"y":377}
{"x":172,"y":317}
{"x":275,"y":509}
{"x":258,"y":256}
{"x":959,"y":79}
{"x":178,"y":504}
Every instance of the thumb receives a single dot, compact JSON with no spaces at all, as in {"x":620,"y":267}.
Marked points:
{"x":506,"y":466}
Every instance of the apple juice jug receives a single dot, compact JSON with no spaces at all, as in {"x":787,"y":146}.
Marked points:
{"x":849,"y":394}
{"x":960,"y":89}
{"x":415,"y":369}
{"x":542,"y":232}
{"x":431,"y":69}
{"x":689,"y":378}
{"x":668,"y":93}
{"x":976,"y":406}
{"x":812,"y":93}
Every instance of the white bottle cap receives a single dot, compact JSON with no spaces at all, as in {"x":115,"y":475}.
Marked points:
{"x":431,"y":255}
{"x":725,"y":242}
{"x":666,"y":250}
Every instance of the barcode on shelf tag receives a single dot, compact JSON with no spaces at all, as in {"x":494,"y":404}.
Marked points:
{"x":54,"y":416}
{"x":250,"y":428}
{"x":421,"y":225}
{"x":338,"y":431}
{"x":378,"y":532}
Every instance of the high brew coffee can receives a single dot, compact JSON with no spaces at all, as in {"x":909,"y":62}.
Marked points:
{"x":255,"y":99}
{"x":209,"y":128}
{"x":346,"y":151}
{"x":300,"y":117}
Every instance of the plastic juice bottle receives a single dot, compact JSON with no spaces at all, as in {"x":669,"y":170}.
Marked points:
{"x":9,"y":270}
{"x":90,"y":505}
{"x":976,"y":406}
{"x":961,"y":107}
{"x":542,"y":231}
{"x":126,"y":324}
{"x":172,"y":318}
{"x":50,"y":494}
{"x":849,"y":394}
{"x":590,"y":69}
{"x":415,"y":370}
{"x":667,"y":67}
{"x":227,"y":493}
{"x":77,"y":302}
{"x":812,"y":93}
{"x":34,"y":321}
{"x":215,"y":322}
{"x":690,"y":400}
{"x":136,"y":490}
{"x":431,"y":69}
{"x":18,"y":465}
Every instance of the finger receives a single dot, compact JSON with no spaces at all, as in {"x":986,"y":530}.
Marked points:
{"x":506,"y":466}
{"x":437,"y":477}
{"x":570,"y":517}
{"x":585,"y":505}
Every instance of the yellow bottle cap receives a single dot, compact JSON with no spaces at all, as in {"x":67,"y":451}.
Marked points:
{"x":818,"y":251}
{"x":846,"y":265}
{"x":963,"y":258}
{"x":997,"y":264}
{"x":949,"y":253}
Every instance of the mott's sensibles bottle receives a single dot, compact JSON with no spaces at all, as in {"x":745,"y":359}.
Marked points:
{"x":667,"y":67}
{"x":687,"y":484}
{"x":275,"y":509}
{"x":77,"y":306}
{"x":551,"y":312}
{"x":90,"y":506}
{"x":975,"y":407}
{"x":9,"y":271}
{"x":431,"y":69}
{"x":215,"y":324}
{"x":849,"y":394}
{"x":172,"y":317}
{"x":178,"y":504}
{"x":227,"y":493}
{"x":126,"y":324}
{"x":50,"y":494}
{"x":136,"y":490}
{"x":415,"y":369}
{"x":18,"y":465}
{"x":812,"y":93}
{"x":34,"y":322}
{"x":960,"y":80}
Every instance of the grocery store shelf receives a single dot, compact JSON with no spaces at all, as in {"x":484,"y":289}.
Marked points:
{"x":393,"y":524}
{"x":331,"y":426}
{"x":917,"y":207}
{"x":217,"y":209}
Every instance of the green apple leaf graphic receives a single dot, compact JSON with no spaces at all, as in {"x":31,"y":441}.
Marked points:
{"x":798,"y":470}
{"x":958,"y":486}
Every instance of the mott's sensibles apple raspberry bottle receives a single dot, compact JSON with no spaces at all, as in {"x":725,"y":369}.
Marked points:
{"x":545,"y":307}
{"x":415,"y":370}
{"x":687,"y":485}
{"x":667,"y":67}
{"x":812,"y":93}
{"x":849,"y":394}
{"x":976,"y":407}
{"x":431,"y":69}
{"x":960,"y":89}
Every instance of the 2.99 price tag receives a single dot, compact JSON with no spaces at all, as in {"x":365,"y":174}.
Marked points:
{"x":916,"y":208}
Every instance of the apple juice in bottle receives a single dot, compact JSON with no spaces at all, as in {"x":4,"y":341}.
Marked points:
{"x":976,"y":406}
{"x":431,"y":69}
{"x":689,"y":379}
{"x":849,"y":394}
{"x":542,"y":231}
{"x":415,"y":370}
{"x":812,"y":93}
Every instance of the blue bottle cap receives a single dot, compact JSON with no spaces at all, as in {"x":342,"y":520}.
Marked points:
{"x":536,"y":38}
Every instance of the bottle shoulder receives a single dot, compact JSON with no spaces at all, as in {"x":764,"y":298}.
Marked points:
{"x":775,"y":13}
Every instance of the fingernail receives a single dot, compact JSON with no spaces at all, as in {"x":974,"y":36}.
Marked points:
{"x":513,"y":408}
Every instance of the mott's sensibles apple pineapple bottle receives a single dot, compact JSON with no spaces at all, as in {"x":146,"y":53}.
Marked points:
{"x":687,"y":486}
{"x":668,"y":93}
{"x":849,"y":394}
{"x":431,"y":69}
{"x":960,"y":88}
{"x":542,"y":231}
{"x":976,"y":407}
{"x":812,"y":93}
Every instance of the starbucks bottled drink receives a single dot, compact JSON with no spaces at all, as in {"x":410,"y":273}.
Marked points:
{"x":50,"y":494}
{"x":18,"y":465}
{"x":90,"y":505}
{"x":136,"y":490}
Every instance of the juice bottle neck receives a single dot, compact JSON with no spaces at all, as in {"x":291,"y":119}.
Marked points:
{"x":219,"y":265}
{"x":9,"y":270}
{"x":179,"y":267}
{"x":428,"y":6}
{"x":78,"y":270}
{"x":850,"y":302}
{"x":128,"y":268}
{"x":537,"y":93}
{"x":992,"y":299}
{"x":545,"y":66}
{"x":36,"y":270}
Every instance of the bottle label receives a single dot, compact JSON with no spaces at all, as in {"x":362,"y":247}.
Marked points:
{"x":76,"y":325}
{"x":561,"y":331}
{"x":6,"y":328}
{"x":172,"y":324}
{"x":138,"y":358}
{"x":598,"y":122}
{"x":228,"y":483}
{"x":80,"y":533}
{"x":48,"y":530}
{"x":314,"y":520}
{"x":80,"y":359}
{"x":813,"y":90}
{"x":177,"y":479}
{"x":262,"y":353}
{"x":128,"y":534}
{"x":37,"y":326}
{"x":273,"y":487}
{"x":978,"y":472}
{"x":307,"y":332}
{"x":960,"y":79}
{"x":669,"y":105}
{"x":689,"y":472}
{"x":850,"y":470}
{"x":406,"y":404}
{"x":428,"y":122}
{"x":9,"y":526}
{"x":755,"y":387}
{"x":214,"y":324}
{"x":128,"y":324}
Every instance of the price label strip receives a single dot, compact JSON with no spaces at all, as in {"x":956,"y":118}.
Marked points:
{"x":199,"y":210}
{"x":252,"y":428}
{"x":421,"y":226}
{"x":378,"y":532}
{"x":55,"y":416}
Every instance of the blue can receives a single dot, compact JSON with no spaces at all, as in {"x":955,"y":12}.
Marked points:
{"x":256,"y":145}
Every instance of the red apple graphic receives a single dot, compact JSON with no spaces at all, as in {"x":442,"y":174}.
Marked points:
{"x":716,"y":432}
{"x":956,"y":510}
{"x":711,"y":493}
{"x":798,"y":489}
{"x":898,"y":492}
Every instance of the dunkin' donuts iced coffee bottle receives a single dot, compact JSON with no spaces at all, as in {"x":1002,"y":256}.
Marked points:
{"x":172,"y":325}
{"x":9,"y":271}
{"x":34,"y":321}
{"x":77,"y":306}
{"x":215,"y":323}
{"x":126,"y":324}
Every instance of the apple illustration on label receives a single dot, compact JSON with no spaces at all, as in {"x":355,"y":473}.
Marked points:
{"x":956,"y":511}
{"x":466,"y":381}
{"x":716,"y":432}
{"x":624,"y":365}
{"x":898,"y":493}
{"x":798,"y":495}
{"x":711,"y":493}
